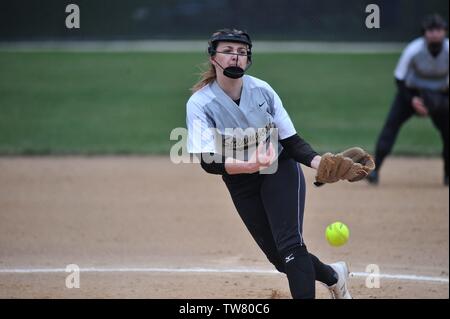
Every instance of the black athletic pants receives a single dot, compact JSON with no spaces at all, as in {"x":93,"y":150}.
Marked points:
{"x":271,"y":207}
{"x":400,"y":112}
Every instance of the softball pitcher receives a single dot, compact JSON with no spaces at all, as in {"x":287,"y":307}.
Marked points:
{"x":231,"y":113}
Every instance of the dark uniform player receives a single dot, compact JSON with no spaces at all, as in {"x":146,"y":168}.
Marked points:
{"x":422,"y":80}
{"x":224,"y":103}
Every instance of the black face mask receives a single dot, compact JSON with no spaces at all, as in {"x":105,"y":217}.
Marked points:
{"x":233,"y":72}
{"x":435,"y":48}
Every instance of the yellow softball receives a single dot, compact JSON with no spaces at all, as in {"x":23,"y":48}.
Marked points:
{"x":337,"y":234}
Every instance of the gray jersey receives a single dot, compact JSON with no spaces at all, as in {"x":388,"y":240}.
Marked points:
{"x":212,"y":117}
{"x":420,"y":70}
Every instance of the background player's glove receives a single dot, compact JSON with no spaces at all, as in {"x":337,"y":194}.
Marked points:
{"x":352,"y":164}
{"x":435,"y":102}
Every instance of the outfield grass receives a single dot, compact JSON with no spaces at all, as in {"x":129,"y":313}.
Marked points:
{"x":115,"y":103}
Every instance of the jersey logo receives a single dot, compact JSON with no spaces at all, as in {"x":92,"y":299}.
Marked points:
{"x":261,"y":104}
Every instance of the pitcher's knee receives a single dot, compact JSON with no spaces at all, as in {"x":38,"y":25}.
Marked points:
{"x":291,"y":252}
{"x":300,"y":272}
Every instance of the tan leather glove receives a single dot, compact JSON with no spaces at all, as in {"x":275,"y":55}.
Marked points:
{"x":352,"y":164}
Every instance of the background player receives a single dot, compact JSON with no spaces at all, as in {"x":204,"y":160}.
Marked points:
{"x":422,"y":80}
{"x":271,"y":205}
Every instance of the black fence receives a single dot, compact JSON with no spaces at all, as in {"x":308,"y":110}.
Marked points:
{"x":311,"y":20}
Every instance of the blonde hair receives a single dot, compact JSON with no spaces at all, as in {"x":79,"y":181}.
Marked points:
{"x":206,"y":77}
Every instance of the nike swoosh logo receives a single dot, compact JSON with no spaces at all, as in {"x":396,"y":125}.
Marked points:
{"x":261,"y":104}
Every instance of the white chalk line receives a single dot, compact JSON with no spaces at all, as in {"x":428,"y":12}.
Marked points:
{"x":209,"y":270}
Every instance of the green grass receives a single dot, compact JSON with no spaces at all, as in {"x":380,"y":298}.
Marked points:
{"x":121,"y":103}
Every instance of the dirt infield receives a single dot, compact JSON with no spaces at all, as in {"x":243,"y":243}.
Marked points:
{"x":142,"y":227}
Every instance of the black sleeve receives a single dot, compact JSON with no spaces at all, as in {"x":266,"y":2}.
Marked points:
{"x":212,"y":163}
{"x":405,"y":92}
{"x":298,"y":149}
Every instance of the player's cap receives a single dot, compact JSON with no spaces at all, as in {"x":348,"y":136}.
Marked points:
{"x":432,"y":22}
